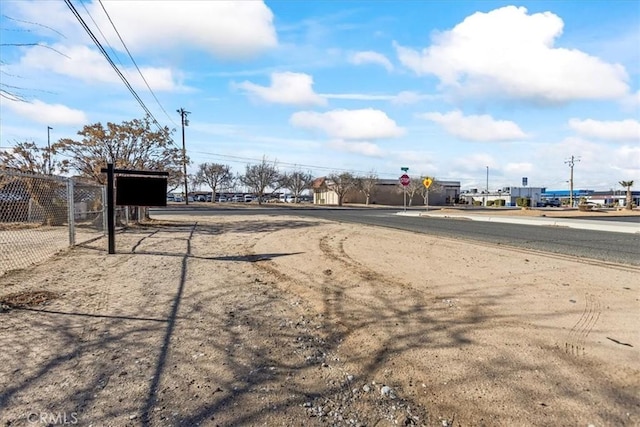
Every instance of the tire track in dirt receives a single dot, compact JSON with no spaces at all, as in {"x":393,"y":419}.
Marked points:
{"x":577,"y":337}
{"x":340,"y":255}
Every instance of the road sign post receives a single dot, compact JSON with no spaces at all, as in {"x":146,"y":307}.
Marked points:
{"x":405,"y":180}
{"x":427,"y":183}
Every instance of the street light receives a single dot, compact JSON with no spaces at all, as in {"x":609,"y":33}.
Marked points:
{"x":487,"y":187}
{"x":49,"y":128}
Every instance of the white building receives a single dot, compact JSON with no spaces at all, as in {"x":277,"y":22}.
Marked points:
{"x":510,"y":195}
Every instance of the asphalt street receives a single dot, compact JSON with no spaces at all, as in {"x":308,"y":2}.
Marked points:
{"x":599,"y":245}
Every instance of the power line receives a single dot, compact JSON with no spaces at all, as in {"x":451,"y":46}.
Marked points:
{"x":108,"y":58}
{"x":295,"y":166}
{"x":134,"y":63}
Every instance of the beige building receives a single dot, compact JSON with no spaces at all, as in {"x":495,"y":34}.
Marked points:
{"x":388,"y":192}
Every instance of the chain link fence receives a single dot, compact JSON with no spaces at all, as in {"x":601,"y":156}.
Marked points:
{"x":41,"y":215}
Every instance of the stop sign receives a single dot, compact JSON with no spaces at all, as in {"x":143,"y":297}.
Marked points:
{"x":405,"y":180}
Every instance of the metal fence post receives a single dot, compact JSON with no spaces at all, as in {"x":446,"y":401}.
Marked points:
{"x":104,"y":210}
{"x":72,"y":214}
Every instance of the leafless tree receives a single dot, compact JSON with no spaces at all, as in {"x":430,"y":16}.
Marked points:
{"x":367,"y":185}
{"x":129,"y":145}
{"x":260,"y":177}
{"x":414,"y":186}
{"x":341,"y":184}
{"x":213,"y":175}
{"x":433,"y":188}
{"x":28,"y":157}
{"x":296,"y":182}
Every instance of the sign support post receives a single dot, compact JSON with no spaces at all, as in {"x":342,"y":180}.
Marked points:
{"x":427,"y":181}
{"x":405,"y":180}
{"x":111,"y":220}
{"x":111,"y":197}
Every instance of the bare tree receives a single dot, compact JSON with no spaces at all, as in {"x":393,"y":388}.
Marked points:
{"x":367,"y":185}
{"x":129,"y":145}
{"x":214,"y":175}
{"x":296,"y":182}
{"x":414,"y":186}
{"x":433,"y":188}
{"x":260,"y":177}
{"x":341,"y":184}
{"x":28,"y":157}
{"x":629,"y":198}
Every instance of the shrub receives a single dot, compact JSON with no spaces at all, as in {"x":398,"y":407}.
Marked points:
{"x":523,"y":202}
{"x":499,"y":202}
{"x":477,"y":203}
{"x":490,"y":202}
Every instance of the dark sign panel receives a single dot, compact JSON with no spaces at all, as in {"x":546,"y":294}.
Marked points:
{"x":524,"y":181}
{"x":141,"y":191}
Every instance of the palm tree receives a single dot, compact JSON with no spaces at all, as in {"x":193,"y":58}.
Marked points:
{"x":628,"y":185}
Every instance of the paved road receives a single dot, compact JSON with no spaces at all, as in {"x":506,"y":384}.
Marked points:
{"x":599,"y":245}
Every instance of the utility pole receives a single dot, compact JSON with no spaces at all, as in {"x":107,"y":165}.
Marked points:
{"x":49,"y":147}
{"x":487,"y":187}
{"x":185,"y":122}
{"x":571,"y":162}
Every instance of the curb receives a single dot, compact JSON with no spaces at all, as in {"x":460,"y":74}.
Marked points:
{"x":583,"y":224}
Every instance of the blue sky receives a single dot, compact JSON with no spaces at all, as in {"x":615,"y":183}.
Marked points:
{"x":445,"y":88}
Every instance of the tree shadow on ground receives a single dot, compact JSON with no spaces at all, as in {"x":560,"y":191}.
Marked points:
{"x":265,"y":346}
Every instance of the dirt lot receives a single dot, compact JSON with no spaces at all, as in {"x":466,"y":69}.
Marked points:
{"x":263,"y":320}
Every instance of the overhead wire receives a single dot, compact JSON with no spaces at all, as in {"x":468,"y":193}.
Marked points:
{"x":289,"y":165}
{"x":110,"y":61}
{"x":136,"y":64}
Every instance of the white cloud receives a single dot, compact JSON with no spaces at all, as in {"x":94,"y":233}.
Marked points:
{"x":623,"y":130}
{"x":51,"y":114}
{"x":476,"y":128}
{"x":365,"y":124}
{"x":402,"y":98}
{"x":87,"y":64}
{"x":507,"y":51}
{"x":626,"y":160}
{"x":286,"y":88}
{"x":226,"y":29}
{"x":632,"y":101}
{"x":370,"y":57}
{"x":518,"y":168}
{"x":474,"y":163}
{"x":408,"y":97}
{"x":365,"y":148}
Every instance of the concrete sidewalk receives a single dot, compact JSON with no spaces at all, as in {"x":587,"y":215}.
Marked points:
{"x":583,"y":224}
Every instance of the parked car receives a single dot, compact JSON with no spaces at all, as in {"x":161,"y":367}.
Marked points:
{"x":552,"y":203}
{"x":248,"y":198}
{"x":237,"y":198}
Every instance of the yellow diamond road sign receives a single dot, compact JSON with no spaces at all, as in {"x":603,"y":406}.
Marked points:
{"x":427,"y":182}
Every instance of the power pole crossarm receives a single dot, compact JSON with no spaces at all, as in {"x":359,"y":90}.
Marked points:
{"x":571,"y":162}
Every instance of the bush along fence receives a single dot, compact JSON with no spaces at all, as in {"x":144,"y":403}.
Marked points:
{"x":42,"y":214}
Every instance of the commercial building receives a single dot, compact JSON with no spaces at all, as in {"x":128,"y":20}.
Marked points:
{"x":389,"y":192}
{"x":509,"y":196}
